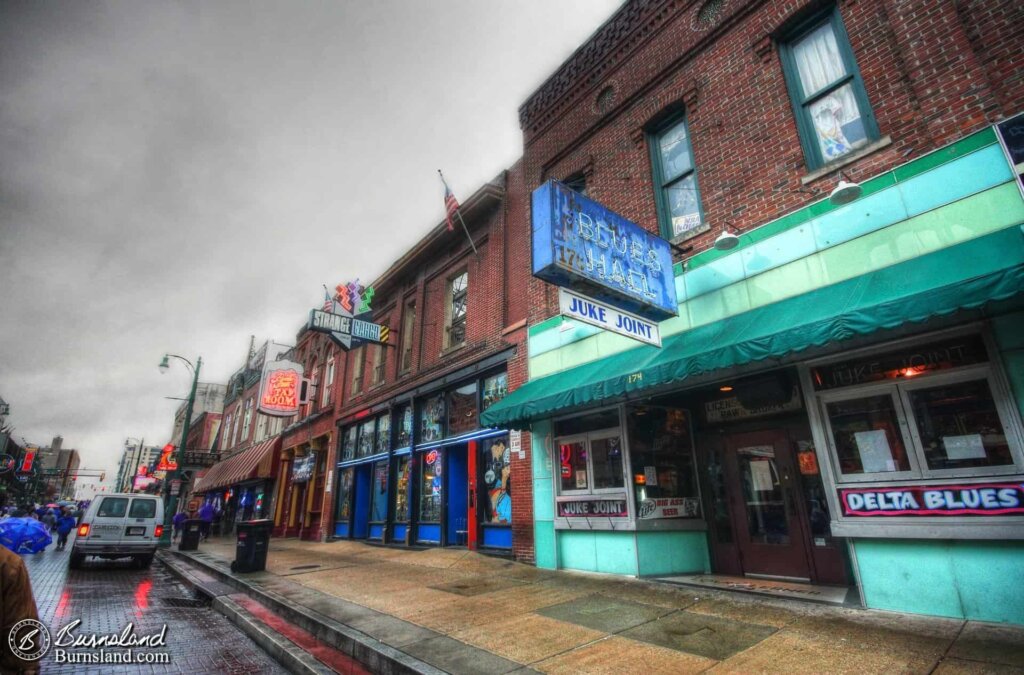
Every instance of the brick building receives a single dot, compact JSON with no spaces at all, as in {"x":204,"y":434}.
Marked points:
{"x":241,"y":485}
{"x":838,"y":401}
{"x":304,"y":499}
{"x":414,"y":464}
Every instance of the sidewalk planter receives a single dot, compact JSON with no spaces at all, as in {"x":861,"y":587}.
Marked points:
{"x":839,"y":401}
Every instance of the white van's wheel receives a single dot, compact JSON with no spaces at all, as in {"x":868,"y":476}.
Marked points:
{"x":145,"y":560}
{"x":75,"y":561}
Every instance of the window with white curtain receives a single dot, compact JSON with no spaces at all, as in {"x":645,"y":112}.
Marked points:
{"x":833,"y":114}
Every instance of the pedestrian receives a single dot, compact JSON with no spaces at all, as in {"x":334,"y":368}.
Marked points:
{"x":65,"y":524}
{"x":205,"y":515}
{"x":179,"y":522}
{"x":50,"y":520}
{"x":16,"y":604}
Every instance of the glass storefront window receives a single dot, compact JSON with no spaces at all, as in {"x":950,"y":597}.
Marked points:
{"x":379,"y":501}
{"x":959,"y":426}
{"x":497,"y":473}
{"x":662,"y":462}
{"x":432,"y":419}
{"x":606,"y":456}
{"x":404,"y":435}
{"x":866,"y":433}
{"x":384,"y":433}
{"x":348,"y":444}
{"x":367,"y":438}
{"x":495,"y":389}
{"x":402,"y":490}
{"x":344,"y":509}
{"x":430,"y":492}
{"x":462,"y":413}
{"x":573,"y":465}
{"x":719,"y":497}
{"x":604,"y":419}
{"x":762,"y":495}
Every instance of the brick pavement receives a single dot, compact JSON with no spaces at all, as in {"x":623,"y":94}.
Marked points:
{"x":465,"y":612}
{"x":106,"y":595}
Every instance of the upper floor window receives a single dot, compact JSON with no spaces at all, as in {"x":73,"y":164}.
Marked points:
{"x":832,"y":111}
{"x":577,"y":182}
{"x":377,"y":376}
{"x":261,"y":426}
{"x":356,"y":355}
{"x":675,"y":181}
{"x":458,"y":291}
{"x":328,"y":380}
{"x":408,"y":320}
{"x":247,"y":421}
{"x":314,"y":387}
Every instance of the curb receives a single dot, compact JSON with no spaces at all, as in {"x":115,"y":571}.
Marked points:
{"x":372,"y":653}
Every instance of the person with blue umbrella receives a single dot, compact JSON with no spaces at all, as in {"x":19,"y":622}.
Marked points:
{"x":24,"y":535}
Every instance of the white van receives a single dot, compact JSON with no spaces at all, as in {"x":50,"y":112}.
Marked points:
{"x":120,"y":526}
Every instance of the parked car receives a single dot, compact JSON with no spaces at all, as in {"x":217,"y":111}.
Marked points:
{"x":120,"y":526}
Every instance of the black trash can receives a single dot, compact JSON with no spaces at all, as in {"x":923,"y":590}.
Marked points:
{"x":251,"y":545}
{"x":190,"y":533}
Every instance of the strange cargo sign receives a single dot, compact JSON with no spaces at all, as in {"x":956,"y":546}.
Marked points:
{"x":980,"y":499}
{"x":339,"y":317}
{"x":580,"y":245}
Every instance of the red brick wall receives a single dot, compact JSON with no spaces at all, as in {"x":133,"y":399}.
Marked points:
{"x":933,"y":71}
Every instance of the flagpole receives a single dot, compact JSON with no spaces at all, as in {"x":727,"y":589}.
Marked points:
{"x":459,"y":214}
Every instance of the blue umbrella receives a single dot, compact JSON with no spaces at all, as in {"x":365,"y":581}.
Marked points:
{"x":24,"y":535}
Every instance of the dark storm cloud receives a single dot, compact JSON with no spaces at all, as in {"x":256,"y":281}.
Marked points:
{"x":178,"y":176}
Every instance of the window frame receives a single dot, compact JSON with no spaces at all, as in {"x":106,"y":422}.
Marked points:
{"x":379,"y":364}
{"x":899,"y":392}
{"x":358,"y":358}
{"x":660,"y":184}
{"x":588,"y":437}
{"x":328,"y":381}
{"x":801,"y":101}
{"x":449,"y":309}
{"x":408,"y":323}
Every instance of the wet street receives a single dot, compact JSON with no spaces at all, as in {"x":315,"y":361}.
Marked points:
{"x":107,"y":595}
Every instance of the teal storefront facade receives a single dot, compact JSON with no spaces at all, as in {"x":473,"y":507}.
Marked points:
{"x":838,"y":402}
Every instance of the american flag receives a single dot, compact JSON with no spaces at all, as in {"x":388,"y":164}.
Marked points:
{"x":451,"y":204}
{"x":328,"y":301}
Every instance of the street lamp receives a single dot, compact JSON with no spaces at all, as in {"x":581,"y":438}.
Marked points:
{"x":171,"y":500}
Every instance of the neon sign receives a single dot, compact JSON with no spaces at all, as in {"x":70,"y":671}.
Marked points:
{"x":580,"y":245}
{"x":431,"y":457}
{"x":167,"y":461}
{"x":280,"y":388}
{"x":981,"y":499}
{"x":28,"y":460}
{"x":339,"y":317}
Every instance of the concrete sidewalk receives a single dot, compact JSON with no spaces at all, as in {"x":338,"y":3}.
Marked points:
{"x":463,"y":612}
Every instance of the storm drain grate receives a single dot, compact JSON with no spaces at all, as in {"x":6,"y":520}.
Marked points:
{"x":185,"y":602}
{"x":306,"y":567}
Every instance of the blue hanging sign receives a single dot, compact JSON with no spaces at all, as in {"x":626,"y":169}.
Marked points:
{"x":580,"y":245}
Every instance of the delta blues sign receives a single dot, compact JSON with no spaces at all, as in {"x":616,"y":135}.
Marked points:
{"x":979,"y":499}
{"x":339,"y":317}
{"x":580,"y":245}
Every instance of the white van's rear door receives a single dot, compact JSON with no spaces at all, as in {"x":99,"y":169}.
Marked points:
{"x":140,"y":525}
{"x":107,"y":525}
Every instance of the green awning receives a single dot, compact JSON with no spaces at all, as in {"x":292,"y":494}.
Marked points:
{"x":965,"y":276}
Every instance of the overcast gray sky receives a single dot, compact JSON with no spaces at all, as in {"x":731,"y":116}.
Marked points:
{"x":178,"y":176}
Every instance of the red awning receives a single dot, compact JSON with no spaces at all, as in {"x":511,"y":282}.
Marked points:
{"x":239,"y":467}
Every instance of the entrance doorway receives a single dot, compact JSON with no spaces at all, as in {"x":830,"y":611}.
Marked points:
{"x":361,"y":489}
{"x":458,"y":495}
{"x":763,"y":493}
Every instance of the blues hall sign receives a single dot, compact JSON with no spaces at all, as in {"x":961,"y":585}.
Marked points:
{"x":580,"y":245}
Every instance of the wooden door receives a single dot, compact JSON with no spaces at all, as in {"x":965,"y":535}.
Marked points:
{"x":763,"y":492}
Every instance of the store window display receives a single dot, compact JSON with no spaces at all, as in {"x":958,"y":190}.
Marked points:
{"x":662,"y":461}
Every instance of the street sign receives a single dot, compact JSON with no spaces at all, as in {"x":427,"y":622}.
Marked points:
{"x":588,"y":310}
